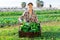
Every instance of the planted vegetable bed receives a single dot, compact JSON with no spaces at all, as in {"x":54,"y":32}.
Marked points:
{"x":30,"y":30}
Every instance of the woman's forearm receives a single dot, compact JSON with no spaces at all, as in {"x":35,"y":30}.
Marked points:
{"x":20,"y":20}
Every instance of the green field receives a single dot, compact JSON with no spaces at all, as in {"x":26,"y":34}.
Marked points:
{"x":11,"y":18}
{"x":48,"y":33}
{"x":50,"y":23}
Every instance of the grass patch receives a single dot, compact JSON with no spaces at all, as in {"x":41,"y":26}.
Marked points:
{"x":48,"y":33}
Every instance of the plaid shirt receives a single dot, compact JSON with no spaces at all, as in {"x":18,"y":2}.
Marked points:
{"x":28,"y":18}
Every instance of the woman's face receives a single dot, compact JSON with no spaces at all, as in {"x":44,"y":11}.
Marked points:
{"x":30,"y":6}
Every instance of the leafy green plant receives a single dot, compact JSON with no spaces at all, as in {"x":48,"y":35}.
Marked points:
{"x":31,"y":27}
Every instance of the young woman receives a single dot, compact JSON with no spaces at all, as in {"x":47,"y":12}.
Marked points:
{"x":29,"y":15}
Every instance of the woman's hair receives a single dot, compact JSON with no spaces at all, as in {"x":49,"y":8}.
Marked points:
{"x":30,"y":3}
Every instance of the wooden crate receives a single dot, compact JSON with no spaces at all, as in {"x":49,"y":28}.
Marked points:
{"x":29,"y":34}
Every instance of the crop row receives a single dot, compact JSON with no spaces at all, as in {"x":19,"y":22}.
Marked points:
{"x":17,"y":13}
{"x":12,"y":20}
{"x":48,"y":12}
{"x":4,"y":21}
